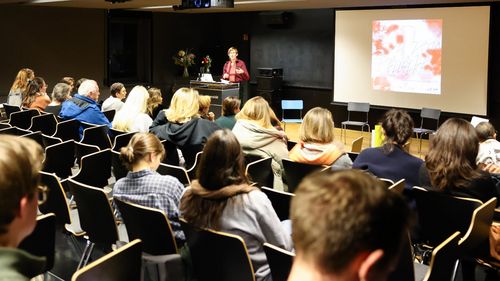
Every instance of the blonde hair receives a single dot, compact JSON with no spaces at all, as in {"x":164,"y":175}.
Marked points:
{"x":135,"y":104}
{"x":317,"y":126}
{"x":23,"y":77}
{"x":155,"y":99}
{"x":139,"y":147}
{"x":257,"y":110}
{"x":184,"y":106}
{"x":232,"y":49}
{"x":204,"y":102}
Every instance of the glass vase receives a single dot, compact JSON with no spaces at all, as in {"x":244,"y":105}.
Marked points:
{"x":185,"y":74}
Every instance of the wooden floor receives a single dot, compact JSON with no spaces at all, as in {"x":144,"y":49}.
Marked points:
{"x":292,"y":131}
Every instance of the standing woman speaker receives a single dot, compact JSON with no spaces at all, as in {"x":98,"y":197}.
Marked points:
{"x":236,"y":71}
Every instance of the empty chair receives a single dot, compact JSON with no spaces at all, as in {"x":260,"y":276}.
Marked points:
{"x":153,"y":228}
{"x":98,"y":136}
{"x":95,"y":169}
{"x":294,"y":106}
{"x":36,"y":136}
{"x":45,"y":123}
{"x":122,"y":140}
{"x":96,"y":218}
{"x":357,"y":145}
{"x":360,"y":107}
{"x":68,"y":130}
{"x":119,"y":169}
{"x":41,"y":242}
{"x":295,"y":172}
{"x":10,"y":109}
{"x":280,"y":261}
{"x":60,"y":158}
{"x":218,"y":256}
{"x":122,"y":264}
{"x":49,"y":140}
{"x":431,"y":114}
{"x":82,"y":149}
{"x":175,"y":171}
{"x":22,"y":119}
{"x":280,"y":201}
{"x":260,"y":171}
{"x":14,"y":131}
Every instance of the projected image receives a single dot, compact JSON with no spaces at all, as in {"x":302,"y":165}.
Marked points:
{"x":406,"y":55}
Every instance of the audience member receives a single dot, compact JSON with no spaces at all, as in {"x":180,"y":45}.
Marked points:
{"x":77,"y":85}
{"x":222,"y":199}
{"x":346,"y":226}
{"x":392,"y":161}
{"x":258,"y":137}
{"x":34,"y":97}
{"x":450,"y":166}
{"x":42,"y":84}
{"x":181,"y":125}
{"x":203,"y":111}
{"x":489,"y":147}
{"x":70,"y":81}
{"x":115,"y":100}
{"x":230,"y":106}
{"x":83,"y":106}
{"x":23,"y":77}
{"x":155,"y":102}
{"x":20,"y":163}
{"x":143,"y":185}
{"x":60,"y":93}
{"x":133,"y":117}
{"x":316,"y":141}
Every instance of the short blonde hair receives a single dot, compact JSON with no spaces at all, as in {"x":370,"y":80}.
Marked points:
{"x":184,"y":106}
{"x":258,"y":110}
{"x":155,"y":99}
{"x":232,"y":49}
{"x":136,"y":104}
{"x":204,"y":102}
{"x":317,"y":126}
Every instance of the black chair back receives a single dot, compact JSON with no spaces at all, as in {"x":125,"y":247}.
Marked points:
{"x":95,"y":169}
{"x":49,"y":140}
{"x":41,"y":242}
{"x":218,"y":255}
{"x":98,"y":136}
{"x":83,"y":149}
{"x":60,"y":158}
{"x":280,"y":201}
{"x":119,"y":169}
{"x":22,"y":119}
{"x":172,"y":156}
{"x":110,"y":114}
{"x":150,"y":225}
{"x":9,"y":109}
{"x":260,"y":172}
{"x":174,"y":171}
{"x":194,"y":168}
{"x":122,"y":264}
{"x":14,"y":131}
{"x":280,"y":262}
{"x":190,"y":154}
{"x":4,"y":126}
{"x":295,"y":172}
{"x":36,"y":136}
{"x":68,"y":130}
{"x":122,"y":140}
{"x":443,"y":263}
{"x":45,"y":123}
{"x":95,"y":213}
{"x":56,"y":200}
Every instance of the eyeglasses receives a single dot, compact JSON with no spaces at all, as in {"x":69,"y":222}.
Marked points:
{"x":42,"y":194}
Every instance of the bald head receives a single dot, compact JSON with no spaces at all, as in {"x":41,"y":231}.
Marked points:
{"x":90,"y":89}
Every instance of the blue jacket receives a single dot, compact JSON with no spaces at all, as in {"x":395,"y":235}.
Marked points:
{"x":83,"y":109}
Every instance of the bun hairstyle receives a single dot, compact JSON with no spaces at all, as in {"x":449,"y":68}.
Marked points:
{"x":139,"y":147}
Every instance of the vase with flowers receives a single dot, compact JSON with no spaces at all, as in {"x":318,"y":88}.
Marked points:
{"x":206,"y":62}
{"x":184,"y":58}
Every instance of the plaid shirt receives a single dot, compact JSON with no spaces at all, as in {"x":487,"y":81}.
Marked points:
{"x":150,"y":189}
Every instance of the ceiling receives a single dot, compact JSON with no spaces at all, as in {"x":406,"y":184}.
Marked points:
{"x":239,"y":5}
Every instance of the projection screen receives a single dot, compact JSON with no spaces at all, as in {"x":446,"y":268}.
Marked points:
{"x":413,"y":58}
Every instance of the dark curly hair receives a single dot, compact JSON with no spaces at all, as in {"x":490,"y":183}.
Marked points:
{"x":398,"y":128}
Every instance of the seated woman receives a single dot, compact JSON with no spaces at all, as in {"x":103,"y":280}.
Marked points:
{"x":181,"y":125}
{"x":257,"y":135}
{"x":133,"y":116}
{"x":450,"y":166}
{"x":391,"y":161}
{"x":230,"y":106}
{"x":155,"y":102}
{"x":117,"y":93}
{"x":316,"y":141}
{"x":205,"y":107}
{"x":222,"y":199}
{"x":143,"y":185}
{"x":34,"y":98}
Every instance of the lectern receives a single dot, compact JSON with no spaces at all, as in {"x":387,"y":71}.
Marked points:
{"x":217,"y":91}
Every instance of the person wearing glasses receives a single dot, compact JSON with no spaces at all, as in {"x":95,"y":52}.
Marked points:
{"x":20,"y":163}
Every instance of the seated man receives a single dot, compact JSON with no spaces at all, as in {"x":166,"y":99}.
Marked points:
{"x":20,"y":163}
{"x":346,"y":226}
{"x":83,"y":106}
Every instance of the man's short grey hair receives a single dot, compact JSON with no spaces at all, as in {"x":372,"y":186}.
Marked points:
{"x":61,"y":92}
{"x":87,"y":87}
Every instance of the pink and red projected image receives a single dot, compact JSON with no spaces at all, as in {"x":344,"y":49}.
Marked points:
{"x":406,"y":55}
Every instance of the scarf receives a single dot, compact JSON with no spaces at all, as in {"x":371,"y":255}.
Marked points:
{"x":225,"y":192}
